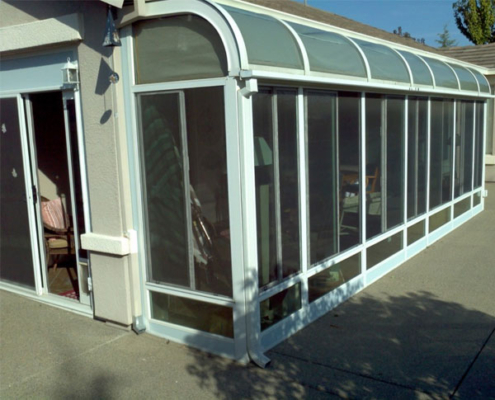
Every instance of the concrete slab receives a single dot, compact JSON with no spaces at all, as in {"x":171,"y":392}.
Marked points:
{"x":418,"y":333}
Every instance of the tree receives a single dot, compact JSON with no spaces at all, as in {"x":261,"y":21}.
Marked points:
{"x":476,"y":20}
{"x":444,"y":38}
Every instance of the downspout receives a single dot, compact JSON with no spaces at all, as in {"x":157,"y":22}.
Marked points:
{"x":251,"y":306}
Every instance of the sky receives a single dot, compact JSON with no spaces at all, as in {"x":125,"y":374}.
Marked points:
{"x":421,"y":18}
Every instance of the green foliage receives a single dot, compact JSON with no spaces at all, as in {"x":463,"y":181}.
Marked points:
{"x":407,"y":35}
{"x":476,"y":20}
{"x":444,"y":39}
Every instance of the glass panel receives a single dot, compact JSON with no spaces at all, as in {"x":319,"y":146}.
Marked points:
{"x":188,"y":226}
{"x":478,"y":145}
{"x":415,"y":232}
{"x":462,"y":206}
{"x":384,"y":249}
{"x":289,"y":181}
{"x":280,"y":306}
{"x":277,"y":183}
{"x":331,"y":278}
{"x":484,"y":87}
{"x":330,"y":52}
{"x":444,"y":76}
{"x":206,"y":317}
{"x":349,"y":117}
{"x":322,"y":172}
{"x":384,"y":161}
{"x":464,"y":148}
{"x":384,"y":62}
{"x":164,"y":195}
{"x":206,"y":147}
{"x":439,"y":219}
{"x":467,"y":80}
{"x":265,"y":192}
{"x":16,"y":257}
{"x":268,"y":41}
{"x":477,"y":199}
{"x":421,"y":73}
{"x":417,"y":136}
{"x":177,"y":48}
{"x":442,"y":115}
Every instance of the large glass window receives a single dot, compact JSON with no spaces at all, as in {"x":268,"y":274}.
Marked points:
{"x":333,"y":167}
{"x":185,"y":189}
{"x":277,"y":183}
{"x":322,"y":172}
{"x":384,"y":163}
{"x":464,"y":148}
{"x":177,"y":48}
{"x":478,"y":149}
{"x":280,"y":306}
{"x":441,"y":149}
{"x":417,"y":137}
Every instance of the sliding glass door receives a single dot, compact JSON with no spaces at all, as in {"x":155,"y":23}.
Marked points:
{"x":16,"y":256}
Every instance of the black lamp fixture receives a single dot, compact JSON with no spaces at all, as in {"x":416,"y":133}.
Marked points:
{"x":112,"y":38}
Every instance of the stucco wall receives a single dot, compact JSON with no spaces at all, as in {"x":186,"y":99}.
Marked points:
{"x":107,"y":178}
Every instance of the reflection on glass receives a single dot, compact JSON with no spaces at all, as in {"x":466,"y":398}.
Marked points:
{"x":439,"y":219}
{"x":186,"y":213}
{"x":349,"y":151}
{"x":416,"y":160}
{"x":16,"y":258}
{"x":322,"y":172}
{"x":206,"y":317}
{"x":478,"y":149}
{"x":334,"y":276}
{"x":442,"y":114}
{"x":384,"y":249}
{"x":415,"y":232}
{"x":164,"y":187}
{"x":463,"y":166}
{"x":477,"y":199}
{"x":462,"y":206}
{"x":210,"y":223}
{"x":277,"y":184}
{"x":384,"y":163}
{"x":280,"y":306}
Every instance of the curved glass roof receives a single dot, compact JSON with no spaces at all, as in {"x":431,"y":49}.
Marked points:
{"x":384,"y":62}
{"x":484,"y":87}
{"x":270,"y":42}
{"x":466,"y":78}
{"x":421,"y":73}
{"x":330,"y":52}
{"x":444,"y":76}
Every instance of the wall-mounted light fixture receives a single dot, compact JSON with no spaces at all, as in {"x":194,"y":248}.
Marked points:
{"x":70,"y":73}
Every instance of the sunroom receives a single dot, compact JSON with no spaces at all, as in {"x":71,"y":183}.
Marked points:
{"x":279,"y":165}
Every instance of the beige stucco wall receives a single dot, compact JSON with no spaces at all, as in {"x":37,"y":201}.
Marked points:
{"x":105,"y":145}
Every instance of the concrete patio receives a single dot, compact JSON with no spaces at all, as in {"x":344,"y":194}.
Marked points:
{"x":424,"y":331}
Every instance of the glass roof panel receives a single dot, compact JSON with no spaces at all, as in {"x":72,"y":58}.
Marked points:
{"x":421,"y":73}
{"x":330,"y":52}
{"x":467,"y":80}
{"x":482,"y":81}
{"x":384,"y":62}
{"x":444,"y":76}
{"x":268,"y":41}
